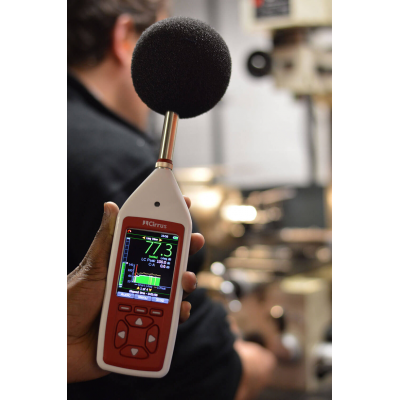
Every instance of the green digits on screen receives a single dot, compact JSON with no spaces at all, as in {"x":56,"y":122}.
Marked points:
{"x":169,"y":247}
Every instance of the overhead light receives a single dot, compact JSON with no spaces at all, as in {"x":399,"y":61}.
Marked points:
{"x":227,"y":287}
{"x":194,"y":175}
{"x":218,"y":268}
{"x":239,"y":213}
{"x":208,"y":199}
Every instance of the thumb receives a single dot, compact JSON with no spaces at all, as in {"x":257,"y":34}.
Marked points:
{"x":94,"y":265}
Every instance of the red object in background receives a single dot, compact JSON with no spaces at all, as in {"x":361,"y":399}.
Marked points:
{"x":258,"y":3}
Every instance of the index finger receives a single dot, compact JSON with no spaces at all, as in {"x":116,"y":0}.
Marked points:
{"x":188,"y":201}
{"x":189,"y":283}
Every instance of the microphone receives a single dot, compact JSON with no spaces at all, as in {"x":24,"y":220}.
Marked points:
{"x":181,"y":68}
{"x":181,"y":65}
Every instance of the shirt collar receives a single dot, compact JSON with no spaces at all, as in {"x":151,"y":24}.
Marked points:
{"x":77,"y":89}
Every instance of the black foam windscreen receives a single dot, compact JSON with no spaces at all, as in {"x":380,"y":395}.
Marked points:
{"x":181,"y":65}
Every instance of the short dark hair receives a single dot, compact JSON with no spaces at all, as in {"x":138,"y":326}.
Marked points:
{"x":90,"y":23}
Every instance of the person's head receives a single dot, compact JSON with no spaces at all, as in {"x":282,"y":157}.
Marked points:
{"x":100,"y":41}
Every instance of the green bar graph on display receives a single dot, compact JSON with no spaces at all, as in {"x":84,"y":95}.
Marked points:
{"x":155,"y":281}
{"x":147,"y":280}
{"x":121,"y":278}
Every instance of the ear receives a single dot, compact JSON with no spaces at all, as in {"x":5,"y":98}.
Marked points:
{"x":123,"y":39}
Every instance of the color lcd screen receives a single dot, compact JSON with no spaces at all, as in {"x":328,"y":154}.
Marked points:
{"x":147,"y":265}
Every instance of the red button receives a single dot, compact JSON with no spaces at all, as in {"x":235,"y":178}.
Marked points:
{"x":134,"y":352}
{"x":138,"y":321}
{"x":121,"y":334}
{"x":123,"y":307}
{"x":152,"y":338}
{"x":157,"y":313}
{"x":141,"y":310}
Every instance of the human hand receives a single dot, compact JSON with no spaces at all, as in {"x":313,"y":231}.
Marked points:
{"x":85,"y":292}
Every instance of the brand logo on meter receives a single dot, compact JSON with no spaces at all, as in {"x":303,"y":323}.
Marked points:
{"x":153,"y":224}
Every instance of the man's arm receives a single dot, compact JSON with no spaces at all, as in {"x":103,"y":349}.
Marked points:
{"x":258,"y":365}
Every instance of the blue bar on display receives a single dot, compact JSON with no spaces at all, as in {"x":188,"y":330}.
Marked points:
{"x":160,"y":300}
{"x":123,"y":294}
{"x":142,"y":297}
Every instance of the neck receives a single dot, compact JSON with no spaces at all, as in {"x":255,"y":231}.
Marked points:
{"x":112,"y":86}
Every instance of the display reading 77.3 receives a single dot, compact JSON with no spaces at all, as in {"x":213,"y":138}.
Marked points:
{"x":147,"y":265}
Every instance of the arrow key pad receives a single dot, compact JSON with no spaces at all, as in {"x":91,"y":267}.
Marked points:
{"x":121,"y":334}
{"x":138,"y":321}
{"x":152,"y":338}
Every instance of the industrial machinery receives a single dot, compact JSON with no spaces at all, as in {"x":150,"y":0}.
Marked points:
{"x":274,"y":276}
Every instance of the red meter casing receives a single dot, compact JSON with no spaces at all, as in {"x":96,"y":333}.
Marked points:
{"x":137,"y":337}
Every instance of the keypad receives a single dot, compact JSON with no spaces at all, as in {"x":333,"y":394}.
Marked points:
{"x":137,"y":335}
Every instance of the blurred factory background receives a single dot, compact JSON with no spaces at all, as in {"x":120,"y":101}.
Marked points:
{"x":258,"y":171}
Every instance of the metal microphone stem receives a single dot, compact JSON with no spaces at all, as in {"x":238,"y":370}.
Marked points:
{"x":168,"y":140}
